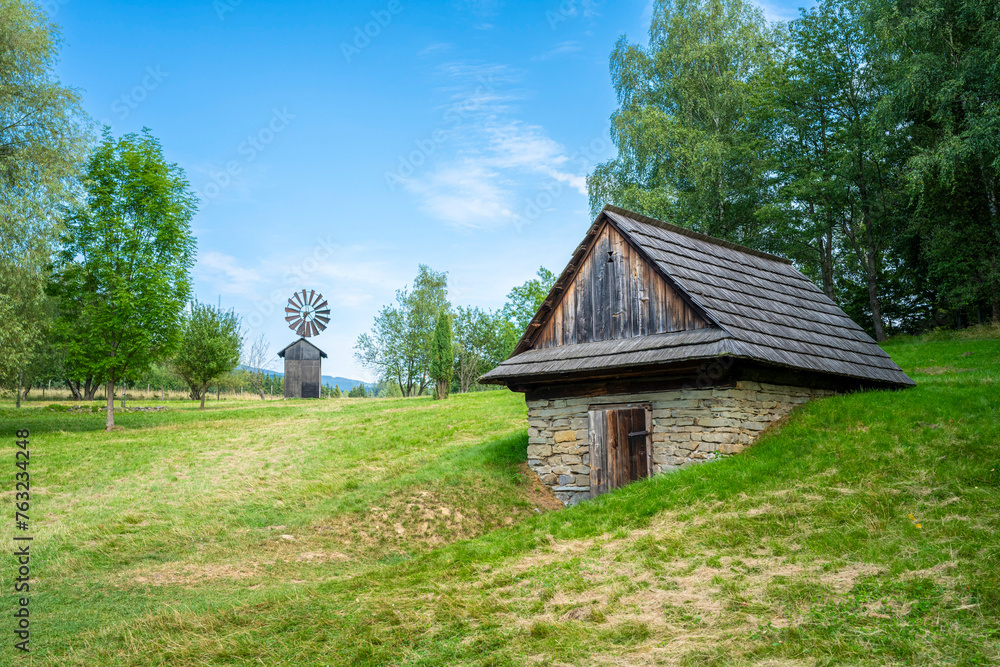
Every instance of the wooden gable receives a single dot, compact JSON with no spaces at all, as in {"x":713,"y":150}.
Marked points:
{"x":616,"y":294}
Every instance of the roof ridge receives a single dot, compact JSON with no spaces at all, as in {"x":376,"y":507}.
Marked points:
{"x":638,"y":217}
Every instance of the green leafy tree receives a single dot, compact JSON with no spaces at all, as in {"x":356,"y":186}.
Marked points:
{"x":946,"y":92}
{"x":122,"y":272}
{"x":442,"y":367}
{"x":43,"y":142}
{"x":209,"y":349}
{"x":690,"y":129}
{"x":398,"y":347}
{"x":482,"y":340}
{"x":524,"y":300}
{"x":336,"y":391}
{"x":358,"y":391}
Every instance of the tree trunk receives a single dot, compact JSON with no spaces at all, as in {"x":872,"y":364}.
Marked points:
{"x":871,"y":255}
{"x":873,"y":300}
{"x":442,"y":389}
{"x":19,"y":390}
{"x":826,"y":262}
{"x":109,"y":422}
{"x":73,"y":389}
{"x":204,"y":391}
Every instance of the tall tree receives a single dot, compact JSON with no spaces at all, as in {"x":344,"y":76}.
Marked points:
{"x":947,"y":94}
{"x":125,"y":259}
{"x":688,"y":129}
{"x":209,"y":347}
{"x":43,"y":140}
{"x":398,"y":346}
{"x":838,"y":163}
{"x":524,"y":300}
{"x":482,"y":340}
{"x":442,"y":367}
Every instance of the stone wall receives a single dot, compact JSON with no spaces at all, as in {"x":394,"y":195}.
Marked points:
{"x":689,"y":426}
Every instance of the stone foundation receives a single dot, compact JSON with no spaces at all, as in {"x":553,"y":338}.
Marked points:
{"x":689,"y":426}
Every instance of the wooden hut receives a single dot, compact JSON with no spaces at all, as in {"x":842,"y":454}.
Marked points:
{"x":659,"y":347}
{"x":303,"y":369}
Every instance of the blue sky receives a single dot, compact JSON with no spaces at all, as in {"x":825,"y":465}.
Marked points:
{"x":337,"y":145}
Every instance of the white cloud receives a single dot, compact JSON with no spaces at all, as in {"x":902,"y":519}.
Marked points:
{"x":486,"y":163}
{"x":226,"y":275}
{"x":561,"y":49}
{"x":433,"y":48}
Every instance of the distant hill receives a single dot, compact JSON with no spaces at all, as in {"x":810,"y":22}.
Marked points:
{"x":345,"y":384}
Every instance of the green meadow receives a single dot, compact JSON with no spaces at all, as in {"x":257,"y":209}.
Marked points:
{"x":863,"y":531}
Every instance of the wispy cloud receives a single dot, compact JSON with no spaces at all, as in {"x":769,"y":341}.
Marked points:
{"x":561,"y":49}
{"x":349,"y":277}
{"x":433,"y":48}
{"x":486,"y":158}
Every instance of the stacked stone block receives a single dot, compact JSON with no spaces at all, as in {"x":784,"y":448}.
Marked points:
{"x":689,"y":426}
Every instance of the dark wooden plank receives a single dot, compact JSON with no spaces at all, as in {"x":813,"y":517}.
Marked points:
{"x":623,"y":424}
{"x":598,"y":286}
{"x":598,"y":453}
{"x":584,"y":308}
{"x":611,"y":442}
{"x":648,"y":416}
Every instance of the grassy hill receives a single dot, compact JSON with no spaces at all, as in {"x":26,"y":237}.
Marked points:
{"x":405,"y":532}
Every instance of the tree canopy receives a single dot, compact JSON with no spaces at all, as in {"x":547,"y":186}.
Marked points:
{"x":858,"y":140}
{"x":122,"y":271}
{"x":398,"y":347}
{"x":209,"y":348}
{"x":442,"y":355}
{"x":43,"y":141}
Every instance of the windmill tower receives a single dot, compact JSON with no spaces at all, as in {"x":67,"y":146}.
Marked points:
{"x":307,"y":315}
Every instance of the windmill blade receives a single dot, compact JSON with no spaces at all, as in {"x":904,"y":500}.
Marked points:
{"x":301,"y":329}
{"x":321,"y":326}
{"x":323,"y":319}
{"x":321,"y":305}
{"x":312,"y":295}
{"x":304,"y":301}
{"x":295,"y":300}
{"x":325,"y":311}
{"x":291,"y":318}
{"x":312,"y":329}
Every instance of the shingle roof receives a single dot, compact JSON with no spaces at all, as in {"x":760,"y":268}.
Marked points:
{"x":281,"y":353}
{"x":764,"y":309}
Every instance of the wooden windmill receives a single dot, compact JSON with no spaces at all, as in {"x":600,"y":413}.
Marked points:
{"x":307,"y":315}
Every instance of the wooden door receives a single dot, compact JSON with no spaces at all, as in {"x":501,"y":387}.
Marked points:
{"x":620,"y":447}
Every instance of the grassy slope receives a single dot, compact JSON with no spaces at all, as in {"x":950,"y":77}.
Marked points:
{"x":865,"y":531}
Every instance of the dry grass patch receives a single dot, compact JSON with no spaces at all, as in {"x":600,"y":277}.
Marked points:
{"x":701,"y":601}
